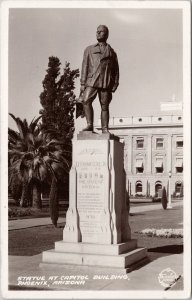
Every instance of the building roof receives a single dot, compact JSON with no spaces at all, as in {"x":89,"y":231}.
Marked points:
{"x":149,"y":121}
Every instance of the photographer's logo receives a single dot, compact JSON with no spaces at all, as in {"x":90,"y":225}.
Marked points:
{"x":167,"y":277}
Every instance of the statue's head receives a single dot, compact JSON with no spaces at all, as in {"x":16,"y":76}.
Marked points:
{"x":102,"y":33}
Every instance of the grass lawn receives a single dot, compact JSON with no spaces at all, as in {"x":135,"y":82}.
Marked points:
{"x":34,"y":240}
{"x":31,"y":241}
{"x":158,"y":246}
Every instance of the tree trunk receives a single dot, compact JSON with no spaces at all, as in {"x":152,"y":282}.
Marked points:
{"x":53,"y":202}
{"x":25,"y":195}
{"x":36,"y":192}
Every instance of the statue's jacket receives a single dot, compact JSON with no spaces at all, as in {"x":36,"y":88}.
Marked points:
{"x":100,"y":70}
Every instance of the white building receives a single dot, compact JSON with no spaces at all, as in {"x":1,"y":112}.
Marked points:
{"x":153,"y":149}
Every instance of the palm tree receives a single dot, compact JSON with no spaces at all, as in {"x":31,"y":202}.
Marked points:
{"x":34,"y":158}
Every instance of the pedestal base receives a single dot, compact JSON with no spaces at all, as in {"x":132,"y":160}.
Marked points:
{"x":119,"y":257}
{"x":97,"y":232}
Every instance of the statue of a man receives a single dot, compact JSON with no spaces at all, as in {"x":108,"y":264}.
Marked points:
{"x":100,"y":75}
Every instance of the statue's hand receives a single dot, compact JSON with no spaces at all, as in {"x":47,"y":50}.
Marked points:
{"x":114,"y":88}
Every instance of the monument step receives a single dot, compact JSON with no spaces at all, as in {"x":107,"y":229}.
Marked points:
{"x":114,"y":249}
{"x":114,"y":261}
{"x":96,"y":269}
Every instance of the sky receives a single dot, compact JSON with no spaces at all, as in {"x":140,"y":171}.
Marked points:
{"x":148,"y":43}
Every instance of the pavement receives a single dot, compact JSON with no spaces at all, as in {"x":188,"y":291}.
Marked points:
{"x":143,"y":278}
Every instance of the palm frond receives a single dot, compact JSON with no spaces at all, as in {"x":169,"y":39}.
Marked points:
{"x":34,"y":154}
{"x":20,"y":125}
{"x":34,"y":123}
{"x":12,"y":135}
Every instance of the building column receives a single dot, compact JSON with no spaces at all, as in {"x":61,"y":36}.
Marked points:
{"x":149,"y":154}
{"x":169,"y":153}
{"x":129,"y":157}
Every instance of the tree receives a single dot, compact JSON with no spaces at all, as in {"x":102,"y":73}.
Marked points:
{"x":18,"y":144}
{"x":15,"y":187}
{"x":54,"y":203}
{"x":49,"y":95}
{"x":58,"y":100}
{"x":66,"y":102}
{"x":34,"y":158}
{"x":164,"y":198}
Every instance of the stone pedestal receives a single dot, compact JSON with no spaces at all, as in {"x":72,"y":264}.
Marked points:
{"x":97,"y":231}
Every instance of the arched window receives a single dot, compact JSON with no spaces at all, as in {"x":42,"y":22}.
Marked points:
{"x":179,"y":189}
{"x":158,"y":189}
{"x":138,"y":187}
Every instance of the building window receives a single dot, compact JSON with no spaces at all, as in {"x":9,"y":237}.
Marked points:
{"x":179,"y":169}
{"x":179,"y":118}
{"x":158,"y":189}
{"x":159,"y":119}
{"x":139,"y":170}
{"x":179,"y":144}
{"x":140,"y":120}
{"x":159,"y":165}
{"x":159,"y":170}
{"x":139,"y":166}
{"x":120,"y":120}
{"x":179,"y":165}
{"x":179,"y":189}
{"x":140,"y":143}
{"x":159,"y":143}
{"x":138,"y":187}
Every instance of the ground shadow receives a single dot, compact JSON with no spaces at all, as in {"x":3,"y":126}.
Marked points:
{"x":173,"y":208}
{"x":168,"y":249}
{"x":136,"y":214}
{"x":158,"y":252}
{"x":59,"y":226}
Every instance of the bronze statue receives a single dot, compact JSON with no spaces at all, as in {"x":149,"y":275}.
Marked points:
{"x":100,"y":75}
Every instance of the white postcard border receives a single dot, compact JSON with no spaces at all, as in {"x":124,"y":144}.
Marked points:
{"x":185,"y":6}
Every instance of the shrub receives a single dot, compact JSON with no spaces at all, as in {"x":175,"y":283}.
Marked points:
{"x":14,"y":212}
{"x":164,"y":198}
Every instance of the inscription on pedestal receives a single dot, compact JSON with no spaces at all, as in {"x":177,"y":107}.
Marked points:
{"x":92,"y":190}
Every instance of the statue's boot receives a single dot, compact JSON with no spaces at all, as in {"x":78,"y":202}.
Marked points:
{"x":104,"y":121}
{"x":88,"y":110}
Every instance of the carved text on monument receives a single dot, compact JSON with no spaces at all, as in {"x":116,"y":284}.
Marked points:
{"x":90,"y":194}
